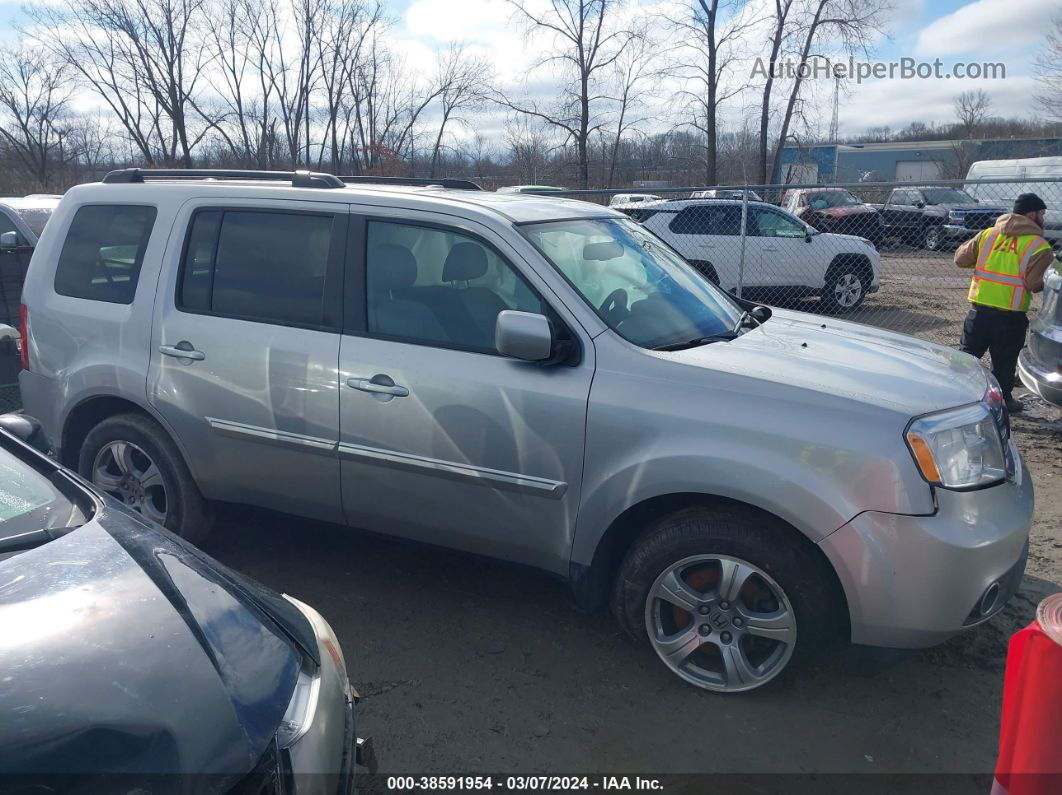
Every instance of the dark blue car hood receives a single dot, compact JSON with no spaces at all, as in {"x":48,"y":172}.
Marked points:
{"x":123,"y":650}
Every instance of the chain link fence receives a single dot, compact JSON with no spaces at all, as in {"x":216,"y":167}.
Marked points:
{"x":876,"y":253}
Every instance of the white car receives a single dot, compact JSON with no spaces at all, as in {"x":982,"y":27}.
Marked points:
{"x":622,"y":201}
{"x":727,"y":193}
{"x":783,"y":257}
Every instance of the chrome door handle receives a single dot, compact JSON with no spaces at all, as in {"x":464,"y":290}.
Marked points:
{"x":768,"y":248}
{"x":373,"y":385}
{"x":179,"y":352}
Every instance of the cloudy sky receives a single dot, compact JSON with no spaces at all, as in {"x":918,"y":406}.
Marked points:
{"x":1010,"y":31}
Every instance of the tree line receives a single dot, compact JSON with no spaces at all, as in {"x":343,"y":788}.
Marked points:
{"x":320,"y":84}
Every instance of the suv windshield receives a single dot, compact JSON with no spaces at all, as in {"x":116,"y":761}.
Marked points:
{"x":948,"y":196}
{"x":636,"y":284}
{"x":35,"y":218}
{"x":832,"y":198}
{"x":29,"y":501}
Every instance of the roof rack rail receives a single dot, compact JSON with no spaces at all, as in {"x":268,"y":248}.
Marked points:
{"x":298,"y":179}
{"x":453,"y":184}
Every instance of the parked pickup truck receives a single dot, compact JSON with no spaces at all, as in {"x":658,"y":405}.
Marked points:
{"x":935,"y":217}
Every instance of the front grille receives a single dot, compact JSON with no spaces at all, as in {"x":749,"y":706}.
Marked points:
{"x":978,"y":221}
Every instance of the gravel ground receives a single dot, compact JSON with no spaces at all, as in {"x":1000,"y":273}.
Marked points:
{"x":471,"y":665}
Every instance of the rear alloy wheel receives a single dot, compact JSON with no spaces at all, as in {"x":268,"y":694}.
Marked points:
{"x":720,"y":623}
{"x":128,"y":474}
{"x":132,"y":458}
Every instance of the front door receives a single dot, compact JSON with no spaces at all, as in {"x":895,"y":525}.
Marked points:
{"x":785,"y":256}
{"x":13,"y":264}
{"x":441,"y":439}
{"x":245,"y":348}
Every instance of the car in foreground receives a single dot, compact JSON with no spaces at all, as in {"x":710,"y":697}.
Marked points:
{"x":835,"y":210}
{"x":531,"y":378}
{"x":933,"y":217}
{"x":780,"y":258}
{"x":22,"y":221}
{"x":1040,"y":362}
{"x":131,"y":656}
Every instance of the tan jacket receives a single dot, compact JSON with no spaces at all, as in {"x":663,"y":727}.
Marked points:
{"x":1013,"y":225}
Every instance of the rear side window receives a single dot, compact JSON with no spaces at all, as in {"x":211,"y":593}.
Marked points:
{"x":103,"y":252}
{"x":703,"y":219}
{"x":267,"y":266}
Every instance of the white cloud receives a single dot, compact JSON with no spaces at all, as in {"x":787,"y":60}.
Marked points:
{"x":988,"y":27}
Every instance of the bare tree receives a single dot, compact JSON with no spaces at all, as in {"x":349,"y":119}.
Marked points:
{"x":1049,"y":69}
{"x":35,"y":91}
{"x":971,"y":110}
{"x":584,"y":43}
{"x":632,"y":72}
{"x":462,"y":82}
{"x":703,"y":61}
{"x":142,"y":57}
{"x":780,"y":31}
{"x":849,"y":24}
{"x":527,"y":138}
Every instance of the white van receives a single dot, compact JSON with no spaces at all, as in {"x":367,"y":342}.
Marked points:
{"x":1018,"y":174}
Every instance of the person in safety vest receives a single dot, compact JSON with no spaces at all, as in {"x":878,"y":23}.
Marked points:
{"x":1009,"y":262}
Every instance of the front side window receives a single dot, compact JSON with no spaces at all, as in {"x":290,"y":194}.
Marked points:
{"x":257,"y":265}
{"x":770,"y":223}
{"x":832,"y":198}
{"x":103,"y":252}
{"x":439,"y":287}
{"x":641,"y":288}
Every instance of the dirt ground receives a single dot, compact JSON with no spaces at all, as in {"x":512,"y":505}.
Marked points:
{"x":468,"y":665}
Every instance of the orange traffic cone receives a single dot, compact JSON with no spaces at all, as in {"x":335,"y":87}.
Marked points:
{"x":1030,"y":736}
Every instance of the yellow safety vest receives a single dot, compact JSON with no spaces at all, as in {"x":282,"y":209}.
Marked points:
{"x":998,"y":278}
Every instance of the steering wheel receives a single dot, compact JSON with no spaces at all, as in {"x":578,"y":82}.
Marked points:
{"x":614,"y":307}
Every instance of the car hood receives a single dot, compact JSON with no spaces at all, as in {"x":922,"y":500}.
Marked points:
{"x":847,"y":360}
{"x":844,"y":212}
{"x":125,"y":651}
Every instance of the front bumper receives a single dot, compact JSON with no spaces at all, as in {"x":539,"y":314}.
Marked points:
{"x":914,"y":581}
{"x":1038,"y":379}
{"x":958,"y":232}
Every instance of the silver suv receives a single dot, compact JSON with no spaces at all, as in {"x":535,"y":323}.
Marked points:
{"x":531,"y":378}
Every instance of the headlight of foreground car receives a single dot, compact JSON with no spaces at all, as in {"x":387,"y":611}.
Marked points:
{"x":303,"y":707}
{"x":958,"y":448}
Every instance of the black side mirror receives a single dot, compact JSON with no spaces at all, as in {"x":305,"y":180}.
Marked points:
{"x":807,"y":236}
{"x":26,"y":428}
{"x":920,"y":204}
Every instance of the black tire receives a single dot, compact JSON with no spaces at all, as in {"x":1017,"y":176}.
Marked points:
{"x":752,"y":536}
{"x":933,"y":238}
{"x":843,"y":273}
{"x":187,"y":513}
{"x":707,"y":269}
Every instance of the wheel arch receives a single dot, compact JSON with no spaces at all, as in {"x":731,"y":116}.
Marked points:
{"x":592,"y":583}
{"x":861,"y":261}
{"x":93,"y":409}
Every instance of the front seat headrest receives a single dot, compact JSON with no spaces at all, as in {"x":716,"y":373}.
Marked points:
{"x":396,"y":267}
{"x":466,"y":261}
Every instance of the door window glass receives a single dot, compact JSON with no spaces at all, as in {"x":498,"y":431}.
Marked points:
{"x":437,"y":286}
{"x":704,"y":219}
{"x":103,"y":252}
{"x":266,"y":266}
{"x":768,"y":223}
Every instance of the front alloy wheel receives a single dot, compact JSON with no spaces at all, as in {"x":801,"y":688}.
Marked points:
{"x":720,"y":623}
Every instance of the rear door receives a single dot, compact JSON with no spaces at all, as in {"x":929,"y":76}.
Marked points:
{"x":245,"y":347}
{"x":442,"y":439}
{"x":711,"y":233}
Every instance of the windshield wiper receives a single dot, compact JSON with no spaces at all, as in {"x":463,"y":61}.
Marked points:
{"x":725,"y":336}
{"x":32,"y":539}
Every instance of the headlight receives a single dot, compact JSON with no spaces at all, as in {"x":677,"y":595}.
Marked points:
{"x":955,"y":215}
{"x":959,"y":448}
{"x":303,"y":705}
{"x":302,"y":708}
